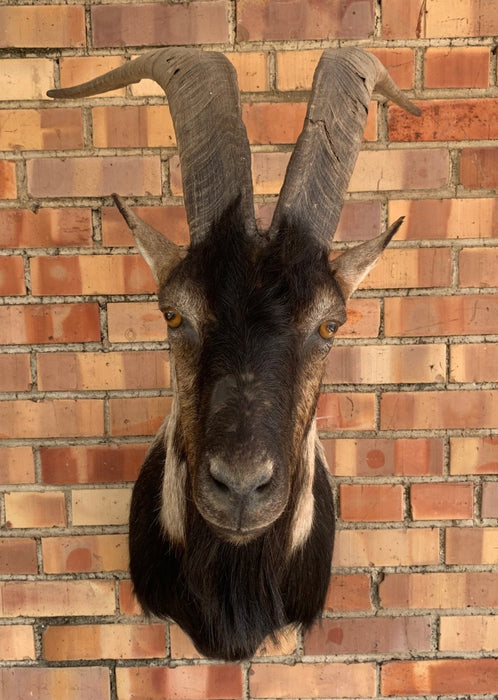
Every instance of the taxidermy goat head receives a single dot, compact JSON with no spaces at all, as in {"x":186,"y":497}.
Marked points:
{"x":232,"y":518}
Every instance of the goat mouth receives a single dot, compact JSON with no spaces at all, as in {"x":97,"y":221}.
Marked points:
{"x":237,"y":536}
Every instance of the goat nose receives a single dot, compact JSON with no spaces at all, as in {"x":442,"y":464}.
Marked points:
{"x":232,"y":482}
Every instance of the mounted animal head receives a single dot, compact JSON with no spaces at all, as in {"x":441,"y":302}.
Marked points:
{"x":251,"y":316}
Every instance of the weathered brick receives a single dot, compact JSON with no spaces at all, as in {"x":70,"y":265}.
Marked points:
{"x":160,"y":24}
{"x":456,"y":67}
{"x":90,"y":464}
{"x":385,"y":457}
{"x":478,"y":267}
{"x":16,"y":465}
{"x":138,"y":321}
{"x":489,"y":507}
{"x":8,"y":187}
{"x":56,"y":598}
{"x":96,"y":274}
{"x":474,"y":455}
{"x":23,"y":228}
{"x":75,"y":554}
{"x":375,"y":502}
{"x":468,"y":633}
{"x":35,"y":509}
{"x":17,"y":556}
{"x":369,"y":635}
{"x":478,"y":168}
{"x":26,"y":78}
{"x":51,"y":418}
{"x":359,"y":221}
{"x":386,"y":547}
{"x":49,"y":323}
{"x":405,"y":268}
{"x":75,"y":70}
{"x":94,"y":176}
{"x":17,"y":642}
{"x":435,"y":410}
{"x":182,"y":646}
{"x":15,"y":372}
{"x":170,"y":219}
{"x":40,"y":129}
{"x":42,"y":26}
{"x":12,"y":276}
{"x":142,"y":416}
{"x":476,"y":362}
{"x":62,"y":683}
{"x":439,"y":590}
{"x":348,"y":593}
{"x":133,"y":126}
{"x":101,"y":506}
{"x":128,"y":603}
{"x":469,"y":545}
{"x":346,"y":412}
{"x":439,"y":677}
{"x":73,"y":642}
{"x":252,"y":70}
{"x":291,"y":19}
{"x":182,"y":683}
{"x":440,"y":501}
{"x":400,"y":169}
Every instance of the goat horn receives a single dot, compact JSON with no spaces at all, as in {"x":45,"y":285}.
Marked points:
{"x":323,"y":159}
{"x":203,"y":96}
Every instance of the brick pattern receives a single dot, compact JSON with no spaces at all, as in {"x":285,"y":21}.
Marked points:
{"x":409,"y":412}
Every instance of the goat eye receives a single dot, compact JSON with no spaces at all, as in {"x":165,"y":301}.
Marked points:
{"x":173,"y":317}
{"x":328,"y":329}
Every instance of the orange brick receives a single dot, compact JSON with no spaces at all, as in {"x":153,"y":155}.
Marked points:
{"x":97,"y":274}
{"x":441,"y":501}
{"x":72,"y":371}
{"x":74,"y":554}
{"x":170,"y":219}
{"x":400,"y":63}
{"x":15,"y":372}
{"x":56,"y":598}
{"x":456,"y":315}
{"x":128,"y":603}
{"x":456,"y":67}
{"x":94,"y":176}
{"x":478,"y":168}
{"x":133,"y":126}
{"x":57,"y":418}
{"x":401,"y":169}
{"x":17,"y":556}
{"x":392,"y":547}
{"x":475,"y":362}
{"x":268,"y":170}
{"x":439,"y":677}
{"x":73,"y":642}
{"x":39,"y":129}
{"x":26,"y":78}
{"x":364,"y":502}
{"x":348,"y":593}
{"x":478,"y":267}
{"x":142,"y":416}
{"x":16,"y":465}
{"x":17,"y":642}
{"x":405,"y":268}
{"x":42,"y":26}
{"x":182,"y":683}
{"x":363,"y":319}
{"x":346,"y":412}
{"x":312,"y":680}
{"x":439,"y":590}
{"x":62,"y":683}
{"x":369,"y":635}
{"x":489,"y":508}
{"x":385,"y":364}
{"x":23,"y":228}
{"x":446,"y":120}
{"x":135,"y":322}
{"x":75,"y":70}
{"x":252,"y":70}
{"x":468,"y":633}
{"x":101,"y":506}
{"x":445,"y":218}
{"x":12,"y":276}
{"x":278,"y":20}
{"x":182,"y":646}
{"x":89,"y":464}
{"x":8,"y":187}
{"x":434,"y":410}
{"x":468,"y":545}
{"x":385,"y":457}
{"x":49,"y":323}
{"x":35,"y":509}
{"x":159,"y":24}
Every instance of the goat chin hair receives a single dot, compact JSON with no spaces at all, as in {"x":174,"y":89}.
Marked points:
{"x":227,"y":598}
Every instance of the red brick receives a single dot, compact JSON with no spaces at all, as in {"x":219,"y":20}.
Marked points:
{"x":437,"y":410}
{"x":35,"y":509}
{"x":16,"y":465}
{"x":489,"y":508}
{"x":400,"y":169}
{"x":439,"y":590}
{"x":359,"y":221}
{"x":322,"y":680}
{"x":15,"y":372}
{"x":85,"y":274}
{"x":474,"y":455}
{"x":476,"y":362}
{"x":75,"y":554}
{"x":43,"y":26}
{"x":385,"y":457}
{"x":8,"y":187}
{"x":456,"y":315}
{"x":23,"y":228}
{"x":142,"y":416}
{"x":363,"y":319}
{"x":291,"y":19}
{"x":456,"y":67}
{"x":49,"y":323}
{"x":469,"y":633}
{"x":268,"y":171}
{"x":170,"y":219}
{"x":55,"y":599}
{"x":440,"y":676}
{"x":469,"y":545}
{"x":348,"y":593}
{"x":438,"y":501}
{"x":12,"y":276}
{"x":346,"y":412}
{"x":74,"y":642}
{"x":55,"y":418}
{"x":133,"y":126}
{"x":94,"y":176}
{"x":369,"y":635}
{"x":17,"y":556}
{"x":135,"y":322}
{"x":17,"y":642}
{"x":128,"y":603}
{"x":62,"y":683}
{"x":478,"y":168}
{"x":393,"y":547}
{"x":182,"y":683}
{"x":39,"y":129}
{"x":160,"y":24}
{"x":446,"y":120}
{"x":89,"y":464}
{"x":371,"y":502}
{"x":478,"y":267}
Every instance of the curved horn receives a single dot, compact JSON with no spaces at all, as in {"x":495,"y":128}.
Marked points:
{"x":203,"y":96}
{"x":323,"y":159}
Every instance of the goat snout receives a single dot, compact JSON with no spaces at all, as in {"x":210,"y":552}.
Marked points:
{"x":240,"y":486}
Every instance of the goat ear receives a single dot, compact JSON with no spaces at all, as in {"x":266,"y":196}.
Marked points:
{"x":159,"y":253}
{"x":354,"y":264}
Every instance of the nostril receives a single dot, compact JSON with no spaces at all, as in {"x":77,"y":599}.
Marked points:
{"x":228,"y":480}
{"x":263,"y":487}
{"x":220,"y":485}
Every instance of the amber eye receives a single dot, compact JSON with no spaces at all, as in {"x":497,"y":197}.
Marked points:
{"x":328,"y":329}
{"x":173,"y":317}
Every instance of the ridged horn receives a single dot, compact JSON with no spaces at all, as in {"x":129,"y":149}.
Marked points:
{"x":322,"y":162}
{"x":204,"y":101}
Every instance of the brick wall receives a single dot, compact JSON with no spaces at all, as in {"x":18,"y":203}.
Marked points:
{"x":409,"y":413}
